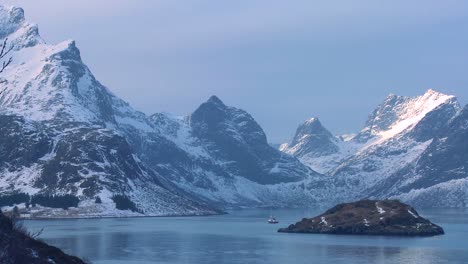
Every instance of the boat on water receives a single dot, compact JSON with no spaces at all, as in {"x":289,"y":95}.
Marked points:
{"x":272,"y":220}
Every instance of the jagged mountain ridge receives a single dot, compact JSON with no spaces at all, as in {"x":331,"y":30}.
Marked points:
{"x":227,"y":159}
{"x":76,"y":137}
{"x":399,"y":136}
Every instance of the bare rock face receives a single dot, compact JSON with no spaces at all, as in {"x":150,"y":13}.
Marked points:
{"x":368,"y":217}
{"x":16,"y":246}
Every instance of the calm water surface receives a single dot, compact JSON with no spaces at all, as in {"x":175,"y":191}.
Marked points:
{"x":245,"y":237}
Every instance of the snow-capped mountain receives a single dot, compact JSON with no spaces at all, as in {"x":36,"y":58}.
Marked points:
{"x":317,"y":147}
{"x":221,"y":154}
{"x":398,"y":114}
{"x":63,"y":132}
{"x":439,"y":177}
{"x":313,"y":139}
{"x":380,"y":160}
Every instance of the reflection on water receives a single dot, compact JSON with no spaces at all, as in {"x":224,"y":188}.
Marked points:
{"x":245,"y":237}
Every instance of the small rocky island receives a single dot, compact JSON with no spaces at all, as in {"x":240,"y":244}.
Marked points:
{"x":368,"y":217}
{"x":17,"y":245}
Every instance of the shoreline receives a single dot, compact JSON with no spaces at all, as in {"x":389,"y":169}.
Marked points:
{"x":224,"y":212}
{"x":114,"y":217}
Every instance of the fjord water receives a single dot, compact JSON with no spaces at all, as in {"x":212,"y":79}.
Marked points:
{"x":245,"y":237}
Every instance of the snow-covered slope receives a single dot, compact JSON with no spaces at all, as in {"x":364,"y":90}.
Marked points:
{"x":439,"y":177}
{"x":396,"y":137}
{"x":392,"y":144}
{"x":398,"y":114}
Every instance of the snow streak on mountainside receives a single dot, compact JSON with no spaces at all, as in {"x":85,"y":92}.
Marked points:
{"x":380,"y":161}
{"x":399,"y":113}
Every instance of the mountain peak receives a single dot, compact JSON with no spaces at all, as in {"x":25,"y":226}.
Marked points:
{"x":312,"y":121}
{"x":215,"y":100}
{"x":214,"y":117}
{"x":433,"y":92}
{"x":311,"y":138}
{"x":312,"y":126}
{"x":432,"y":95}
{"x":397,"y":113}
{"x":393,"y":99}
{"x":11,"y":18}
{"x":14,"y":26}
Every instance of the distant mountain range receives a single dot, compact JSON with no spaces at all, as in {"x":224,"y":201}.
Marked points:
{"x":63,"y":134}
{"x":411,"y":148}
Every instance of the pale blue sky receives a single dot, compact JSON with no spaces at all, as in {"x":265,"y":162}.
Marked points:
{"x":282,"y":61}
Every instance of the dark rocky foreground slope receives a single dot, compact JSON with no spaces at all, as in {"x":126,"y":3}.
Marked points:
{"x":368,"y":217}
{"x":16,"y":246}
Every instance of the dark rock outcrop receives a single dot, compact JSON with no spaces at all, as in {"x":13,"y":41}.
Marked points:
{"x":16,"y":246}
{"x":368,"y":217}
